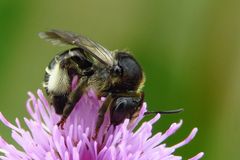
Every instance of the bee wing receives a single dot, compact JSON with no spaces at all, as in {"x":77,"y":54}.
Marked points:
{"x":96,"y":50}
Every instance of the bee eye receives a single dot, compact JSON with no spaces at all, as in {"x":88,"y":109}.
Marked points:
{"x":117,"y":71}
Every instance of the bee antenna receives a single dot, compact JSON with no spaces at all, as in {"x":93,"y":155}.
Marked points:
{"x":164,"y":112}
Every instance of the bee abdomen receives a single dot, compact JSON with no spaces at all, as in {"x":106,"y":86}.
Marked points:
{"x":56,"y":80}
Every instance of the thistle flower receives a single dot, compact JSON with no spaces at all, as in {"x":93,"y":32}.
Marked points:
{"x":44,"y":140}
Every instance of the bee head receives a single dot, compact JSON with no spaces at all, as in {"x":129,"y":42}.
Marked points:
{"x":127,"y":73}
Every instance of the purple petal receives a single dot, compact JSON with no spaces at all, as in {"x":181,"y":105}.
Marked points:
{"x":198,"y":156}
{"x":44,"y":140}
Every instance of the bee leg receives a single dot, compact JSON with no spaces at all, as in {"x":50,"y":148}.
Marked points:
{"x":58,"y":102}
{"x":83,"y":62}
{"x":76,"y":62}
{"x":73,"y":98}
{"x":101,"y":113}
{"x":80,"y":71}
{"x":126,"y":106}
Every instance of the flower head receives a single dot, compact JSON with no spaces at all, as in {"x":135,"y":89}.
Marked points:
{"x":44,"y":140}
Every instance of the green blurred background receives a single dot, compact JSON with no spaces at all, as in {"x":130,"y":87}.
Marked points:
{"x":189,"y":50}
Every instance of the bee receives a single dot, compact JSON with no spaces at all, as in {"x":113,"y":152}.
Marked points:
{"x":115,"y":75}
